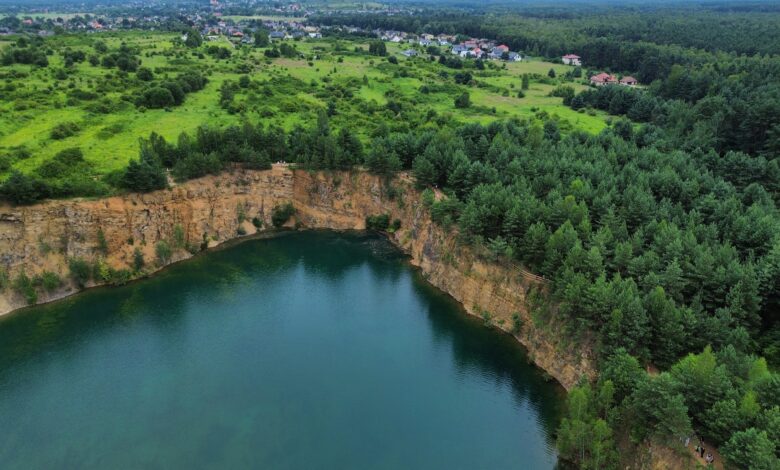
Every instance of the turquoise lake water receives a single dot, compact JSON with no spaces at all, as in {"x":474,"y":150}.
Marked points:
{"x":313,"y":350}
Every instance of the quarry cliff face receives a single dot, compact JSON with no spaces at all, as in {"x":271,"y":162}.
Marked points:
{"x":212,"y":210}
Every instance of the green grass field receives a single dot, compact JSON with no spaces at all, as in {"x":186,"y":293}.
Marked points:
{"x":282,"y":91}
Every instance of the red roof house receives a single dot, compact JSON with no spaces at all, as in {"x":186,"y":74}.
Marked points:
{"x":603,"y":79}
{"x":628,"y":81}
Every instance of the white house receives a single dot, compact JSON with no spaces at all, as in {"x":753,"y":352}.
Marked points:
{"x":571,"y":59}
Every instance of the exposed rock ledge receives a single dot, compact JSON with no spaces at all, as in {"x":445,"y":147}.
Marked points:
{"x":43,"y":237}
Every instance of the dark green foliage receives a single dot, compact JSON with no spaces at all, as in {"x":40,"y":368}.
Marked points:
{"x":196,"y":165}
{"x":194,"y":38}
{"x":25,"y":55}
{"x":48,"y":280}
{"x":171,"y":92}
{"x":143,"y":176}
{"x":261,"y":38}
{"x":64,"y":130}
{"x":463,"y":101}
{"x":377,"y":48}
{"x":138,"y":259}
{"x":144,"y":74}
{"x":22,"y":189}
{"x":379,"y":222}
{"x":157,"y":97}
{"x":281,"y":214}
{"x":80,"y":271}
{"x":287,"y":50}
{"x":625,"y":373}
{"x":381,"y":158}
{"x":660,"y":410}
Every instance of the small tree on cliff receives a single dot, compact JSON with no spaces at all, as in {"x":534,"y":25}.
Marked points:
{"x":144,"y":175}
{"x":22,"y":189}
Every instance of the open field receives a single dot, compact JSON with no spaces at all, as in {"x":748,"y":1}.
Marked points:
{"x":361,"y":92}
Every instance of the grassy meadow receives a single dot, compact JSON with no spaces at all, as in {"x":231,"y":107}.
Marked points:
{"x":338,"y":75}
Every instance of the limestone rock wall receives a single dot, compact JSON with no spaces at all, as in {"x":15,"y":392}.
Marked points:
{"x":212,"y":210}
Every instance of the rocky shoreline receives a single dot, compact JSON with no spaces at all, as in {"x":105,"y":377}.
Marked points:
{"x":210,"y":211}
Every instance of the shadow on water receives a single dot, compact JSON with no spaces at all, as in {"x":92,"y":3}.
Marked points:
{"x":498,"y":354}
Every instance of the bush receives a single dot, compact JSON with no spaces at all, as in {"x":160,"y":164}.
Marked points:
{"x":197,"y":165}
{"x":145,"y":74}
{"x":24,"y":286}
{"x":463,"y":101}
{"x":378,"y":222}
{"x":79,"y":271}
{"x":156,"y":97}
{"x":119,"y":277}
{"x":143,"y":176}
{"x":281,"y":214}
{"x":179,"y":237}
{"x":64,"y":130}
{"x":48,"y":280}
{"x":163,"y":251}
{"x":22,"y":189}
{"x":138,"y":259}
{"x":102,"y":243}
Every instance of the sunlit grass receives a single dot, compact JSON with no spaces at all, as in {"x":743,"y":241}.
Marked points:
{"x":110,"y":141}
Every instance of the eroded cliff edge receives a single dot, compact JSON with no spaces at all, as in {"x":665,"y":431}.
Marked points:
{"x":213,"y":210}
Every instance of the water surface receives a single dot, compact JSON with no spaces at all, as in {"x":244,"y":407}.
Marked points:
{"x":311,"y":350}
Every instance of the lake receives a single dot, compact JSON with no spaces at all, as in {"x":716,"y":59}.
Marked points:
{"x":311,"y":350}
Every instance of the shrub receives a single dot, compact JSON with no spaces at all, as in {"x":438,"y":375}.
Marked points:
{"x":102,"y":244}
{"x":281,"y":214}
{"x":143,"y":176}
{"x":257,"y":222}
{"x":178,"y":237}
{"x":101,"y":271}
{"x":156,"y":97}
{"x":463,"y":101}
{"x":22,"y":189}
{"x":119,"y":277}
{"x":163,"y":251}
{"x":378,"y":222}
{"x":197,"y":165}
{"x":138,"y":259}
{"x":79,"y":271}
{"x":48,"y":280}
{"x":64,"y":130}
{"x":517,"y":323}
{"x":145,"y":74}
{"x":24,"y":286}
